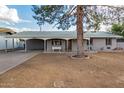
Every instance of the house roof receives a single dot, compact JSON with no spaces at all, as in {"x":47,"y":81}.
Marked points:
{"x":102,"y":34}
{"x":62,"y":34}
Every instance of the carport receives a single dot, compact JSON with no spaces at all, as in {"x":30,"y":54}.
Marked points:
{"x":34,"y":44}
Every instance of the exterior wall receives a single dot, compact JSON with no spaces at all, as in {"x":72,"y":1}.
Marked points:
{"x":2,"y":43}
{"x":120,"y":45}
{"x":114,"y":44}
{"x":86,"y":47}
{"x":100,"y":44}
{"x":49,"y":45}
{"x":74,"y":45}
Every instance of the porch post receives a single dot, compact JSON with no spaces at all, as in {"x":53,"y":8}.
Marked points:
{"x":6,"y":45}
{"x":89,"y":44}
{"x":25,"y":46}
{"x":67,"y":45}
{"x":44,"y":45}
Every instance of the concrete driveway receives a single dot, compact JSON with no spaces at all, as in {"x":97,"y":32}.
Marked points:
{"x":12,"y":59}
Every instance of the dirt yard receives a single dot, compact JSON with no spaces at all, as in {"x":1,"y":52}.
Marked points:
{"x":58,"y":70}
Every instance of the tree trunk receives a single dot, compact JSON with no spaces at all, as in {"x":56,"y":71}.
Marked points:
{"x":80,"y":49}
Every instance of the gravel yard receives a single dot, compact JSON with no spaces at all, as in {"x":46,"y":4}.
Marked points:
{"x":59,"y":70}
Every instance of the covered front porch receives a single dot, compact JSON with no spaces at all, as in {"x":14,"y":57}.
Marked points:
{"x":54,"y":45}
{"x":48,"y":45}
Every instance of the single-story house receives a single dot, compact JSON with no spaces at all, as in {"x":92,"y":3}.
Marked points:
{"x":66,"y":40}
{"x":7,"y":43}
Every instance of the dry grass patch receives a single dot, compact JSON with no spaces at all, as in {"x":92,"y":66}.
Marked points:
{"x":59,"y":70}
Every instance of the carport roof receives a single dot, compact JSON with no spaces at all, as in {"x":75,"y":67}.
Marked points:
{"x":62,"y":34}
{"x":5,"y":30}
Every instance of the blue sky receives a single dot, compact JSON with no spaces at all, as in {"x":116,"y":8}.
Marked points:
{"x":25,"y":13}
{"x":24,"y":20}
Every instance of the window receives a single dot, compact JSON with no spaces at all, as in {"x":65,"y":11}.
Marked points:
{"x":108,"y":41}
{"x":56,"y":42}
{"x":120,"y":40}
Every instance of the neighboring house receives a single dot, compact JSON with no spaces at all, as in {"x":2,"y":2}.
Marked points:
{"x":66,"y":40}
{"x":7,"y":43}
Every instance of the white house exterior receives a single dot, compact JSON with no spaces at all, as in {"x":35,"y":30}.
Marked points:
{"x":50,"y":41}
{"x":7,"y":43}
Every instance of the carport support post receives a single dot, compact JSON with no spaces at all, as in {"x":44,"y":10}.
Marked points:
{"x":13,"y":43}
{"x":6,"y":45}
{"x":89,"y":44}
{"x":44,"y":45}
{"x":67,"y":45}
{"x":25,"y":46}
